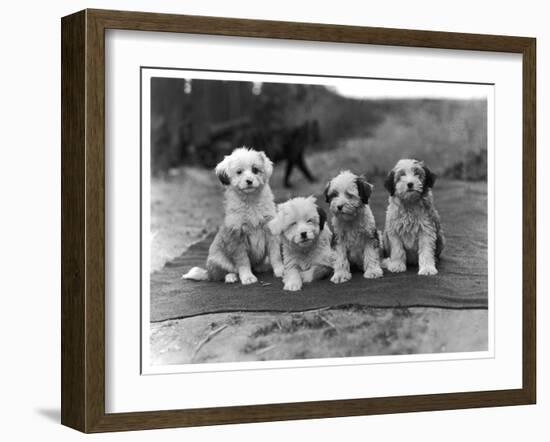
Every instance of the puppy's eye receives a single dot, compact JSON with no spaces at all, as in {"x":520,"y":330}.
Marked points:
{"x":255,"y":170}
{"x":310,"y":221}
{"x":239,"y":172}
{"x":349,"y":194}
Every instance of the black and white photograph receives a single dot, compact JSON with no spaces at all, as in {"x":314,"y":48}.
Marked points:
{"x":295,"y":218}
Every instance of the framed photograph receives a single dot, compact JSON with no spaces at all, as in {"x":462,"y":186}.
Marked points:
{"x":269,"y":220}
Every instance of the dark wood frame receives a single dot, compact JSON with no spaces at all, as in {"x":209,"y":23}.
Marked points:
{"x":83,"y":218}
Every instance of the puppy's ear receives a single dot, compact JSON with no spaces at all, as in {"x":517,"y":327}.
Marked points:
{"x":268,"y":165}
{"x":322,"y":217}
{"x":326,"y":192}
{"x":429,"y":178}
{"x":364,"y":188}
{"x":221,"y":172}
{"x":275,"y":226}
{"x":389,"y":184}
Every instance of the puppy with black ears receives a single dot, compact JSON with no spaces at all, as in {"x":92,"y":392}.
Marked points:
{"x":306,"y":239}
{"x":413,"y":233}
{"x":356,"y":238}
{"x":243,"y":242}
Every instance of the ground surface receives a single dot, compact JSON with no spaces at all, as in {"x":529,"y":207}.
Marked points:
{"x":336,"y":332}
{"x":186,"y":206}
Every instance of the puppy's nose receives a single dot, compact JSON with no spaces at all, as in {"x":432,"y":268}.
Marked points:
{"x":340,"y":207}
{"x":410,"y":185}
{"x":249,"y":182}
{"x":303,"y":235}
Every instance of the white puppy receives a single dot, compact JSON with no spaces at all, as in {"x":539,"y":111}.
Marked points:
{"x":413,"y":233}
{"x":243,"y":242}
{"x":355,"y":235}
{"x":307,"y":254}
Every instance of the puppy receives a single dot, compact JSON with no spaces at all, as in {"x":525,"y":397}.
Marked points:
{"x":307,"y":254}
{"x":355,"y":235}
{"x":413,"y":233}
{"x":243,"y":242}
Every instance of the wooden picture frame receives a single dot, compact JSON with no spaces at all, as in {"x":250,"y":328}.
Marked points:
{"x":83,"y":219}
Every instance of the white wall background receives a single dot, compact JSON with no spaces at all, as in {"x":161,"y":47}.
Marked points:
{"x":30,"y":221}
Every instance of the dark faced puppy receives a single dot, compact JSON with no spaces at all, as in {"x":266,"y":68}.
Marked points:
{"x":347,"y":193}
{"x":413,"y":232}
{"x":410,"y":180}
{"x":354,"y":226}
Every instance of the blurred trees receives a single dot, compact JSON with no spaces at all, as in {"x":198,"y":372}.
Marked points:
{"x":199,"y":121}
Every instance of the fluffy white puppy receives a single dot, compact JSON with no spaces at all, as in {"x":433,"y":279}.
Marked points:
{"x":243,"y":242}
{"x":355,"y":236}
{"x":307,"y":254}
{"x":413,"y":233}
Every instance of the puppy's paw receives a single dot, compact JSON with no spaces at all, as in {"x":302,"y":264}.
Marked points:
{"x":395,"y":266}
{"x":373,"y":273}
{"x":248,"y":279}
{"x":293,"y":286}
{"x":231,"y":278}
{"x":278,"y":270}
{"x":340,"y":277}
{"x":427,"y":271}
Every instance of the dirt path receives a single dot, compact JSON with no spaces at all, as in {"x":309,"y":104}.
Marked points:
{"x":184,"y":208}
{"x":332,"y":332}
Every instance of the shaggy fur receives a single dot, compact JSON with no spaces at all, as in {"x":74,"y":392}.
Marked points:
{"x":413,"y":233}
{"x":355,"y":235}
{"x":243,"y":242}
{"x":307,"y":254}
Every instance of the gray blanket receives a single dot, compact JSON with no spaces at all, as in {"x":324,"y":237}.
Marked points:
{"x":460,"y":284}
